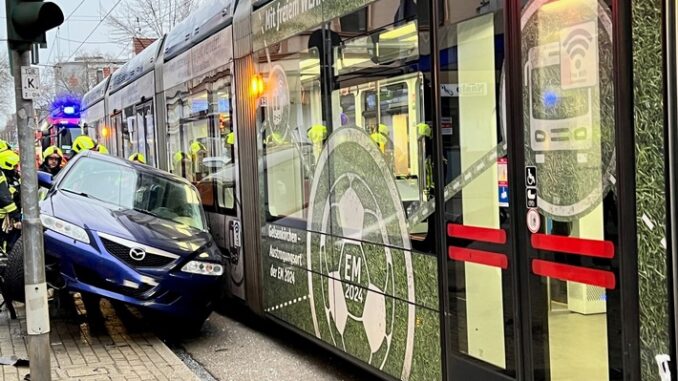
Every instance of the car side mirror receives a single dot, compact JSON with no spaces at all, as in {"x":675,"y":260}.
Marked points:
{"x":45,"y":179}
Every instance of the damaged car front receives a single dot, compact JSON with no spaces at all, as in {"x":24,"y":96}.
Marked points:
{"x":132,"y":233}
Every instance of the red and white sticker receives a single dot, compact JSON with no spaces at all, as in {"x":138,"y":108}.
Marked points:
{"x":533,"y":220}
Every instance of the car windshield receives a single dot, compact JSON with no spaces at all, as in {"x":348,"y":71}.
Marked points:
{"x":142,"y":191}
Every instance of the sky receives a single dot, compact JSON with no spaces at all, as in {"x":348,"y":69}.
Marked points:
{"x":66,"y":40}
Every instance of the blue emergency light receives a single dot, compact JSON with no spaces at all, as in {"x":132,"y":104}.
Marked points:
{"x":66,"y":106}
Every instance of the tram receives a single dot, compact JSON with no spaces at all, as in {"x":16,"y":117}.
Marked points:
{"x":472,"y":190}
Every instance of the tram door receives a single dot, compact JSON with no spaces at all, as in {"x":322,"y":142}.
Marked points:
{"x":146,"y":132}
{"x":553,"y":310}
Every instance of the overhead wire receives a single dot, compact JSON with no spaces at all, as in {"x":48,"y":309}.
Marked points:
{"x":94,"y":30}
{"x":51,"y":50}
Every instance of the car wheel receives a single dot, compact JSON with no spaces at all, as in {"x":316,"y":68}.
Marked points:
{"x":192,"y":326}
{"x":184,"y":327}
{"x":13,"y":277}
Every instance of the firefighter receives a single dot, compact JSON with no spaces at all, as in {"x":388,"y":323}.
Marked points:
{"x":317,"y":135}
{"x":182,"y":165}
{"x":230,"y":138}
{"x":275,"y":138}
{"x":10,"y":200}
{"x":425,"y":134}
{"x":101,"y":148}
{"x":53,"y":160}
{"x":138,"y":158}
{"x":380,"y":137}
{"x":83,"y":143}
{"x":198,"y":152}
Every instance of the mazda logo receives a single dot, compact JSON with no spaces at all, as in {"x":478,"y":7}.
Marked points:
{"x":137,"y":253}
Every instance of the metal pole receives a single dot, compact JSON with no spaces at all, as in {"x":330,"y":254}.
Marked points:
{"x":37,"y":312}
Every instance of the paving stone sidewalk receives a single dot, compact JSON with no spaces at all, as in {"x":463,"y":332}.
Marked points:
{"x":114,"y":353}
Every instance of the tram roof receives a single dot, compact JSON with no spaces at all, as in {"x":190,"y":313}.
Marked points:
{"x":211,"y":17}
{"x":139,"y":65}
{"x":96,"y":94}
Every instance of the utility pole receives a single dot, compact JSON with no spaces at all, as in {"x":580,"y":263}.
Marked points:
{"x":27,"y":23}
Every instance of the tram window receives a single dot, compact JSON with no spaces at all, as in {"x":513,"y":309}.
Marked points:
{"x":174,"y":114}
{"x":355,"y":22}
{"x":290,"y":116}
{"x":347,"y":116}
{"x":389,"y":109}
{"x":130,"y":135}
{"x":199,"y":124}
{"x":395,"y":116}
{"x":225,"y":155}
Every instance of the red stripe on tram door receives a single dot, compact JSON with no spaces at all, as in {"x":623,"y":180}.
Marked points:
{"x":577,"y":274}
{"x":476,"y":233}
{"x":478,"y":256}
{"x":577,"y":246}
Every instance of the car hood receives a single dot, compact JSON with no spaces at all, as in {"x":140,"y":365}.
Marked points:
{"x":129,"y":224}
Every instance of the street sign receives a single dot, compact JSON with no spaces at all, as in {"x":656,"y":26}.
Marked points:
{"x":30,"y":82}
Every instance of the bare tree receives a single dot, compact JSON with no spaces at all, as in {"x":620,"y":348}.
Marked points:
{"x":6,"y":85}
{"x":148,"y":18}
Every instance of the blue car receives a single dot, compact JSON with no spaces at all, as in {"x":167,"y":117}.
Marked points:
{"x":131,"y":233}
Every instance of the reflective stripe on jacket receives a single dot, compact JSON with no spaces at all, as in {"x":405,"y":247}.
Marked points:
{"x":7,"y":205}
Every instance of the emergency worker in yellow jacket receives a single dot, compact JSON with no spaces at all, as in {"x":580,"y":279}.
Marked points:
{"x":52,"y":161}
{"x":317,"y":135}
{"x":138,"y":158}
{"x":84,"y":143}
{"x":10,"y":201}
{"x":380,"y":137}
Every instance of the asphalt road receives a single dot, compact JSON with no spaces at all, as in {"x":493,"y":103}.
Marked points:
{"x":243,"y":347}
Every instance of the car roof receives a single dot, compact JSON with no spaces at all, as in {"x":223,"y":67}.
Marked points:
{"x":136,"y":166}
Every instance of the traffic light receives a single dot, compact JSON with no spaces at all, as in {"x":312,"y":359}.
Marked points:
{"x":28,"y":20}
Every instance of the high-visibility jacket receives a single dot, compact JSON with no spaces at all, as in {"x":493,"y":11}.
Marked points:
{"x":101,"y":148}
{"x":7,"y":205}
{"x":275,"y":138}
{"x":380,"y":140}
{"x":317,"y":133}
{"x":424,"y":130}
{"x":230,"y":138}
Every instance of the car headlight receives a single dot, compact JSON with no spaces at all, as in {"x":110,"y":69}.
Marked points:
{"x":203,"y":268}
{"x":65,"y":228}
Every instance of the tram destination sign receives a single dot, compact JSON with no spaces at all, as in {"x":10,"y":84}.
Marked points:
{"x":282,"y":19}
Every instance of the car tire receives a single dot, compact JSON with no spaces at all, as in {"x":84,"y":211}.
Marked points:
{"x":191,"y":326}
{"x":13,"y":276}
{"x":181,"y":327}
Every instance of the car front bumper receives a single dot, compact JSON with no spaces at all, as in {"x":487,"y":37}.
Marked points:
{"x":90,"y":268}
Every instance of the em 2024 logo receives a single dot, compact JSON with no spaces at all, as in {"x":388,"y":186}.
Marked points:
{"x":360,"y":278}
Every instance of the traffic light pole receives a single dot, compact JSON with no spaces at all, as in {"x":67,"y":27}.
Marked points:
{"x":37,"y":311}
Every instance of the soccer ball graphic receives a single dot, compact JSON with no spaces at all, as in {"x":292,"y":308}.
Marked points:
{"x":360,"y":271}
{"x":360,"y":275}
